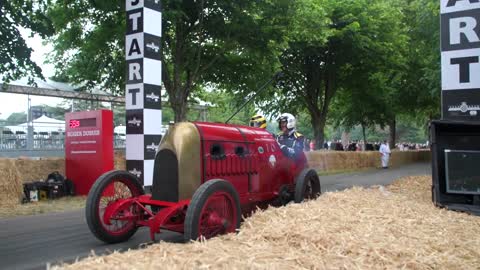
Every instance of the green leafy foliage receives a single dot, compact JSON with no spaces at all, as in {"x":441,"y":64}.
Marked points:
{"x":203,"y":41}
{"x":337,"y":46}
{"x":16,"y":118}
{"x":15,"y":55}
{"x":347,"y":65}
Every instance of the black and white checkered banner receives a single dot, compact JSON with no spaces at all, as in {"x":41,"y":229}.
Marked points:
{"x":460,"y":44}
{"x":144,"y":80}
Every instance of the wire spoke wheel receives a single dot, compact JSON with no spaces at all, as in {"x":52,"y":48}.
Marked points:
{"x":115,"y":192}
{"x":108,"y":193}
{"x":213,"y":210}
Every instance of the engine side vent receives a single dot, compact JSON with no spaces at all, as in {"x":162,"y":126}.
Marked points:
{"x":165,"y":176}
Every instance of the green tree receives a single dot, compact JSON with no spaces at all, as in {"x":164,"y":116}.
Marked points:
{"x":414,"y":92}
{"x":76,"y":105}
{"x":223,"y":105}
{"x":407,"y":84}
{"x":57,"y":112}
{"x":422,"y":90}
{"x":332,"y":44}
{"x":201,"y":41}
{"x":15,"y":55}
{"x":16,"y":118}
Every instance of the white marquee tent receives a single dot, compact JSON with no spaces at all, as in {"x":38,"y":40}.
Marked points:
{"x":41,"y":124}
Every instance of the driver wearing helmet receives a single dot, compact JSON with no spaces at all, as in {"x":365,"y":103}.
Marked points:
{"x":258,"y":121}
{"x":291,"y":142}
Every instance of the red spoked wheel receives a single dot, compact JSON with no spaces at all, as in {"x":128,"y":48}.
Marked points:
{"x":110,"y":211}
{"x":213,"y":210}
{"x":307,"y":186}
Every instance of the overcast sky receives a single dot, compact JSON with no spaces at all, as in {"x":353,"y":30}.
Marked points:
{"x":10,"y":103}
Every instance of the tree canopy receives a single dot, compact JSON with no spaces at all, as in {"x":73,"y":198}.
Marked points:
{"x":202,"y":41}
{"x":338,"y":46}
{"x":367,"y":63}
{"x":15,"y":55}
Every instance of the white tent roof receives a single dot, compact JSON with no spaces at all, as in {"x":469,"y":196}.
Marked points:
{"x":45,"y":124}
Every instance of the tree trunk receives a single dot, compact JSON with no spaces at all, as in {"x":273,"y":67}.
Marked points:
{"x":318,"y":124}
{"x":393,"y":130}
{"x":180,"y":111}
{"x":364,"y":136}
{"x":345,"y":140}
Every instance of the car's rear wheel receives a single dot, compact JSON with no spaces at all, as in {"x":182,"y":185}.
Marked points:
{"x":307,"y":186}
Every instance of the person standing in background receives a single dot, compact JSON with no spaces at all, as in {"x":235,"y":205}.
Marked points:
{"x":385,"y":154}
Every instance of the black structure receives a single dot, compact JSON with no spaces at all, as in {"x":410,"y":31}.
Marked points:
{"x":165,"y":176}
{"x":455,"y":165}
{"x":455,"y":140}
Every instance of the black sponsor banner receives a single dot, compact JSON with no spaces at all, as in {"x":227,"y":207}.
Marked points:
{"x":152,"y":47}
{"x":134,"y":121}
{"x":461,"y":105}
{"x":151,"y":143}
{"x":152,"y":97}
{"x":135,"y":167}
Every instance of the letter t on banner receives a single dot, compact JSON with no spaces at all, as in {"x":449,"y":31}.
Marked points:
{"x":143,"y":85}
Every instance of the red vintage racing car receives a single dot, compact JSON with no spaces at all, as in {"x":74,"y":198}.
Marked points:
{"x":206,"y":176}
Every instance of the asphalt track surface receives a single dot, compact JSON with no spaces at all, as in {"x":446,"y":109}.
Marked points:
{"x":35,"y":242}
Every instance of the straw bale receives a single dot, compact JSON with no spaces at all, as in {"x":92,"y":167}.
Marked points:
{"x":15,"y":172}
{"x":119,"y":160}
{"x":376,"y":228}
{"x":339,"y":160}
{"x":10,"y":184}
{"x":39,"y":169}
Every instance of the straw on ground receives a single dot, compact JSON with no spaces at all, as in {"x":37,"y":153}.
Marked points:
{"x":377,"y":228}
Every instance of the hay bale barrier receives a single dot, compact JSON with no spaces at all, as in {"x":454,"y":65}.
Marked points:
{"x":119,"y":162}
{"x":15,"y":172}
{"x":338,"y":160}
{"x":376,"y":228}
{"x":23,"y":170}
{"x":11,"y":188}
{"x":39,"y":169}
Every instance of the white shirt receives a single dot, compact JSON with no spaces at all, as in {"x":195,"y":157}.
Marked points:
{"x":384,"y":149}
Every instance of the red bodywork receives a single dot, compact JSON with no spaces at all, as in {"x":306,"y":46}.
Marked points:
{"x":258,"y":173}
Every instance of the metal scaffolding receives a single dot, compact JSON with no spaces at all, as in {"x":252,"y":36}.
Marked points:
{"x":61,"y":90}
{"x":49,"y":92}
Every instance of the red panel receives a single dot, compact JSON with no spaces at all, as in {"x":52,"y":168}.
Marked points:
{"x":266,"y":164}
{"x":88,"y":147}
{"x":208,"y":166}
{"x":229,"y":164}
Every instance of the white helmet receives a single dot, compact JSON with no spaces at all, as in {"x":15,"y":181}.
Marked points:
{"x":290,"y":119}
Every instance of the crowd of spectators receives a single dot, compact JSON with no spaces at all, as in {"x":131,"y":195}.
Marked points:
{"x":359,"y":145}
